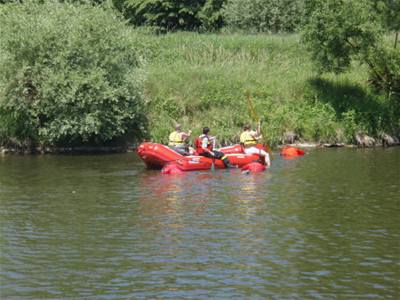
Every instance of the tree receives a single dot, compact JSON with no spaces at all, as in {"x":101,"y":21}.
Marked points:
{"x":68,"y":74}
{"x":390,"y":12}
{"x":169,"y":15}
{"x":211,"y":15}
{"x":337,"y":32}
{"x":263,"y":15}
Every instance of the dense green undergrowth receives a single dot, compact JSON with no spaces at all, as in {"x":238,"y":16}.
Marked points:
{"x":73,"y":75}
{"x":69,"y":75}
{"x":200,"y":80}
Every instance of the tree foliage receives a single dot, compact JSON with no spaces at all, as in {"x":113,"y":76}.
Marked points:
{"x":211,"y":15}
{"x":337,"y":32}
{"x":68,"y":73}
{"x":169,"y":15}
{"x":264,"y":15}
{"x":389,"y":11}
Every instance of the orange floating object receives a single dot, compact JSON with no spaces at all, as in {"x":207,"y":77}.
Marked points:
{"x":291,"y":151}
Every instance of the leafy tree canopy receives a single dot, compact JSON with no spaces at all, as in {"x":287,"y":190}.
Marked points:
{"x":264,"y":15}
{"x":168,"y":15}
{"x":68,"y":73}
{"x":338,"y":32}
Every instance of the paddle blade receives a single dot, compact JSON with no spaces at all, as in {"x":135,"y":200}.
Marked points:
{"x":251,"y":108}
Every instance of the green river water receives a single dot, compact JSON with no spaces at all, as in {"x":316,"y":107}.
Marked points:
{"x":324,"y":226}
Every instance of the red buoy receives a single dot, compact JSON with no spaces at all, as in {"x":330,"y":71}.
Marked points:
{"x":171,"y":169}
{"x":254,"y":167}
{"x":291,"y":152}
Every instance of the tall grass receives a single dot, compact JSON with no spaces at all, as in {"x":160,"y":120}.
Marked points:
{"x":200,"y":80}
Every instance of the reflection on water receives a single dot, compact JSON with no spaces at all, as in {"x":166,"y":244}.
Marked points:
{"x":92,"y":227}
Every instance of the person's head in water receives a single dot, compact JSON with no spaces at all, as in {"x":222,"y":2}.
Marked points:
{"x":206,"y":130}
{"x":246,"y":126}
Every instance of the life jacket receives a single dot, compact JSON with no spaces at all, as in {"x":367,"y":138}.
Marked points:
{"x":247,"y":139}
{"x":175,"y":139}
{"x":198,"y":142}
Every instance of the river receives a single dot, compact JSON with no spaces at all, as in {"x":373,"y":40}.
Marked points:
{"x":323,"y":226}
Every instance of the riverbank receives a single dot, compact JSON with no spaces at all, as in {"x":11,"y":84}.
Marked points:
{"x":64,"y":150}
{"x":110,"y":150}
{"x":201,"y":80}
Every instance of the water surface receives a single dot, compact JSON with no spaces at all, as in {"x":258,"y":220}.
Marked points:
{"x":325,"y":226}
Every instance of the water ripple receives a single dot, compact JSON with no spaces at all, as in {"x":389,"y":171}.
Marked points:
{"x":104,"y":228}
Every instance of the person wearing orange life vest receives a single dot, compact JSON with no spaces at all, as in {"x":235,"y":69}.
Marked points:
{"x":178,"y":140}
{"x":205,"y":147}
{"x":249,"y":139}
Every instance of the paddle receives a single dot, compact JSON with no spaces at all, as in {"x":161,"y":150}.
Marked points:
{"x":256,"y":118}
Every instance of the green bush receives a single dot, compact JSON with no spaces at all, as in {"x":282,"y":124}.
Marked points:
{"x":263,"y":15}
{"x":390,"y":12}
{"x":211,"y":15}
{"x":68,"y":74}
{"x":171,"y":15}
{"x":339,"y":32}
{"x":385,"y":71}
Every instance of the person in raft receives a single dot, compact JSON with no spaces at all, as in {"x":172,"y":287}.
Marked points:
{"x":205,"y":147}
{"x":249,"y":139}
{"x":178,"y":140}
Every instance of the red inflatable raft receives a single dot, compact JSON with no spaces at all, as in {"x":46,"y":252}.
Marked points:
{"x":156,"y":156}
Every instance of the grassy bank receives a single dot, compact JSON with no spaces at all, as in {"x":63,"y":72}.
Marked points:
{"x":200,"y":80}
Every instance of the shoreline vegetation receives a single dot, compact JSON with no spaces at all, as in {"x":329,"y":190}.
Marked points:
{"x":100,"y":84}
{"x":133,"y":148}
{"x":201,"y":79}
{"x":198,"y":80}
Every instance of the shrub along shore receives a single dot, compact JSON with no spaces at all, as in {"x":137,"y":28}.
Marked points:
{"x":100,"y":84}
{"x":201,"y":80}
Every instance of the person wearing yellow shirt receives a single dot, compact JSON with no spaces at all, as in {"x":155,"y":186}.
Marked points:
{"x":178,"y":140}
{"x":249,"y":140}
